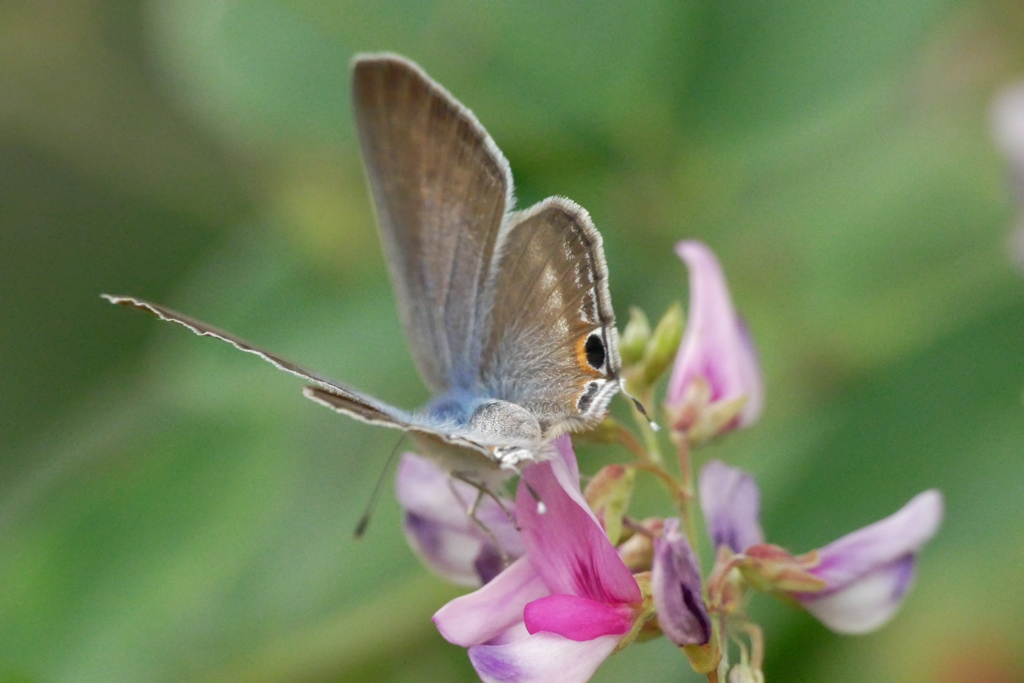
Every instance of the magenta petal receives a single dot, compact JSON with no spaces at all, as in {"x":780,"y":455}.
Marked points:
{"x":567,"y":473}
{"x":716,"y":345}
{"x":576,"y":618}
{"x":485,"y":613}
{"x":567,"y":469}
{"x":731,"y":503}
{"x":566,"y":545}
{"x":542,"y":658}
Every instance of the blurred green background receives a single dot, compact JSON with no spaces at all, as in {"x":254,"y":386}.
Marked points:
{"x":171,"y":510}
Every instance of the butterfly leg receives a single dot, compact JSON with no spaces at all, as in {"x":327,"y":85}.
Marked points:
{"x":471,"y":510}
{"x":541,"y":507}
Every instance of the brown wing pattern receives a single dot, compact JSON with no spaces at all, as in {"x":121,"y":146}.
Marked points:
{"x":441,"y":189}
{"x":552,"y":345}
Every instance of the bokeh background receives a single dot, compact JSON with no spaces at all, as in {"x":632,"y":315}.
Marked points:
{"x":173,"y":510}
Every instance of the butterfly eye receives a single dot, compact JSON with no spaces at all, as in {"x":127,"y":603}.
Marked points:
{"x":594,"y":350}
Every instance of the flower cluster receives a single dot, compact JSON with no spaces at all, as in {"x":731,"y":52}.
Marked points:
{"x":574,"y":579}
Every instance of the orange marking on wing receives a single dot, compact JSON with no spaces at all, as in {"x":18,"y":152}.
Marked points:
{"x":581,"y":356}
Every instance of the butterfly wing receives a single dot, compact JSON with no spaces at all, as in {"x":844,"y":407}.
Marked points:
{"x":458,"y":452}
{"x":355,"y":403}
{"x":441,"y":189}
{"x":552,"y":346}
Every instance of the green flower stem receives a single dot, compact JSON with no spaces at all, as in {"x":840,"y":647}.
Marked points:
{"x":756,"y":636}
{"x":666,"y":478}
{"x":723,"y":665}
{"x":686,"y":488}
{"x":629,"y":441}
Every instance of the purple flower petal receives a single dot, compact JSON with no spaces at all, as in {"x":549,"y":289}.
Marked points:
{"x":731,"y":503}
{"x":867,"y":603}
{"x":425,"y":489}
{"x":716,"y":345}
{"x":450,"y":554}
{"x":868,"y":572}
{"x":881,"y":543}
{"x":577,"y":618}
{"x":488,"y":563}
{"x":676,"y":585}
{"x":542,"y":658}
{"x":441,"y":532}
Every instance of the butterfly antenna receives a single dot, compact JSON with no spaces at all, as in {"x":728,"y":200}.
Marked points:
{"x":640,"y":407}
{"x":371,"y":504}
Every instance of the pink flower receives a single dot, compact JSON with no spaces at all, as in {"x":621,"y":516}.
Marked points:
{"x":438,"y":528}
{"x":555,"y":614}
{"x":863,"y":576}
{"x":716,"y":362}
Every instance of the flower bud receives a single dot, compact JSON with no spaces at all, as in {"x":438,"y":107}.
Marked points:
{"x":637,"y":551}
{"x":770,"y":568}
{"x":676,"y":585}
{"x":716,"y":349}
{"x":634,"y":337}
{"x":608,"y":495}
{"x":744,"y":673}
{"x":703,"y":658}
{"x":663,"y":344}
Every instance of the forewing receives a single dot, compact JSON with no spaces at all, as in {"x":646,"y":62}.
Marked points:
{"x":441,"y":189}
{"x":552,"y":346}
{"x":357,"y":404}
{"x":456,"y":452}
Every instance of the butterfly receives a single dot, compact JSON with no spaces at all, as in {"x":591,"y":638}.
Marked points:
{"x":507,"y":313}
